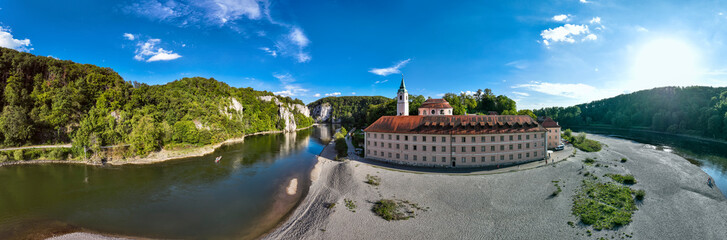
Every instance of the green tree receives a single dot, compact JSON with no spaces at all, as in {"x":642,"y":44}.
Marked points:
{"x":145,"y":137}
{"x":15,"y":125}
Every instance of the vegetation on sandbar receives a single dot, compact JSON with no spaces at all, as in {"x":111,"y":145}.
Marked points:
{"x":603,"y":205}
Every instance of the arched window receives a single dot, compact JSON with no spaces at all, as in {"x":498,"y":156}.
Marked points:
{"x":433,"y":111}
{"x":400,"y":97}
{"x":441,"y":112}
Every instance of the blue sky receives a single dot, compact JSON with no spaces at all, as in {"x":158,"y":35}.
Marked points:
{"x":540,"y":53}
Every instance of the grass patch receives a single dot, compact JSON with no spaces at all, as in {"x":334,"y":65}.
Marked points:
{"x":624,"y":179}
{"x":589,"y":161}
{"x":584,"y":144}
{"x":623,"y":160}
{"x":392,"y":209}
{"x":373,"y":180}
{"x":603,"y":205}
{"x":350,"y":204}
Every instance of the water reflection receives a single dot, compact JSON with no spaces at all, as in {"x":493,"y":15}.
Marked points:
{"x":711,"y":156}
{"x":186,"y":198}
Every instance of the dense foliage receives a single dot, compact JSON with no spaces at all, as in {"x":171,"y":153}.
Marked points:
{"x":45,"y":100}
{"x":350,"y":110}
{"x":581,"y":142}
{"x":480,"y":102}
{"x":603,"y":205}
{"x":700,"y":111}
{"x":341,"y":145}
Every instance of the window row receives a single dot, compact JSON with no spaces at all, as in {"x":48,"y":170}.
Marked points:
{"x":423,"y":148}
{"x":444,"y":159}
{"x":483,"y":139}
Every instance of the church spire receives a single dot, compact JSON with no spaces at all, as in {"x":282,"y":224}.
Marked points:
{"x":402,"y":88}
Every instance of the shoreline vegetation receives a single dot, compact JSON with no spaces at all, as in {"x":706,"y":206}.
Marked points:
{"x":154,"y":157}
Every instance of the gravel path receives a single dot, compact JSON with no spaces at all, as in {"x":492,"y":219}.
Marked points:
{"x":512,"y":205}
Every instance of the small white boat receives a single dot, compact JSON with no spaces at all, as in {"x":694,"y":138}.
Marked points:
{"x":217,"y":160}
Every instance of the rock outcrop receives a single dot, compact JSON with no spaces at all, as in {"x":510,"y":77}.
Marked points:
{"x":286,"y":112}
{"x":321,"y":113}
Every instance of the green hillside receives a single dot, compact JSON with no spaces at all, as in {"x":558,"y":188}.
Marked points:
{"x":699,"y":111}
{"x":44,"y":100}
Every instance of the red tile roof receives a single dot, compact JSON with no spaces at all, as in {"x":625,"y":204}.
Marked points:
{"x":549,"y":123}
{"x":435,"y":103}
{"x":458,"y":124}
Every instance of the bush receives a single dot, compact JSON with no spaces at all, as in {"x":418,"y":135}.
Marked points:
{"x":373,"y":180}
{"x":603,"y":205}
{"x":341,"y":148}
{"x":389,"y":209}
{"x":588,"y":145}
{"x":624,"y":179}
{"x":640,"y":194}
{"x":18,"y":155}
{"x":623,"y":160}
{"x":350,"y":204}
{"x":589,"y":161}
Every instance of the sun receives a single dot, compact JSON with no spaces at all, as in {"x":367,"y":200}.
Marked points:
{"x":665,"y":62}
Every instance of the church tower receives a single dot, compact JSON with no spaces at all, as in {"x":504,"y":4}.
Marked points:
{"x":402,"y":100}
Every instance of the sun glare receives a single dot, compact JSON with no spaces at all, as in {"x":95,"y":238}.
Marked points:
{"x":665,"y":62}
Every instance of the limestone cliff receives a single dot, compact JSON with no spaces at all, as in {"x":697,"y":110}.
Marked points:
{"x":287,"y":112}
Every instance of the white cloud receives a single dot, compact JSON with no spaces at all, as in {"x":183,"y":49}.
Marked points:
{"x":290,"y":89}
{"x":591,"y":37}
{"x":390,"y":70}
{"x":579,"y":90}
{"x":7,"y":40}
{"x":520,"y":64}
{"x":385,"y":80}
{"x":270,"y":51}
{"x":333,"y":94}
{"x":595,"y":20}
{"x":231,"y":10}
{"x":521,"y":94}
{"x":584,"y":1}
{"x":290,"y":42}
{"x":317,"y":95}
{"x":641,"y":29}
{"x":353,"y":93}
{"x":149,"y":51}
{"x":467,"y":92}
{"x":560,"y":18}
{"x":565,"y":33}
{"x":129,"y":36}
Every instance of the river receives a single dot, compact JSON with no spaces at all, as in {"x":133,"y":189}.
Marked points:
{"x":711,"y":156}
{"x":242,"y":197}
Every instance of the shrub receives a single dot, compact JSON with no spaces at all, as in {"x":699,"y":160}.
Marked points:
{"x":640,"y":194}
{"x":623,"y":160}
{"x":589,"y":161}
{"x":18,"y":155}
{"x":624,"y":179}
{"x":373,"y":180}
{"x":588,"y":145}
{"x":341,"y":148}
{"x":389,"y":209}
{"x":350,"y":204}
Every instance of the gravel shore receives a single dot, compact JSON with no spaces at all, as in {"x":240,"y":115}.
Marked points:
{"x":510,"y":205}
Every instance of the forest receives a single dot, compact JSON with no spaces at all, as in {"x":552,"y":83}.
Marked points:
{"x":698,"y":111}
{"x":44,"y":100}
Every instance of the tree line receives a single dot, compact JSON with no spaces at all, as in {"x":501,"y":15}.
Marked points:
{"x":46,"y":100}
{"x":699,"y":111}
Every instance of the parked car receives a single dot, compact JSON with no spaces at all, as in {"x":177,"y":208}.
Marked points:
{"x":560,"y":147}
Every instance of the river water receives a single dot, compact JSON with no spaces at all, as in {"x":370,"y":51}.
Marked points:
{"x":242,"y":197}
{"x":711,"y":156}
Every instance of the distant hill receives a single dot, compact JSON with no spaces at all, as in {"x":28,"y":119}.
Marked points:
{"x":45,"y":100}
{"x":700,"y":111}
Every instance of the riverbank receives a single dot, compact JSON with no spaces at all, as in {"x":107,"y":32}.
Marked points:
{"x":512,"y":205}
{"x":155,"y":157}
